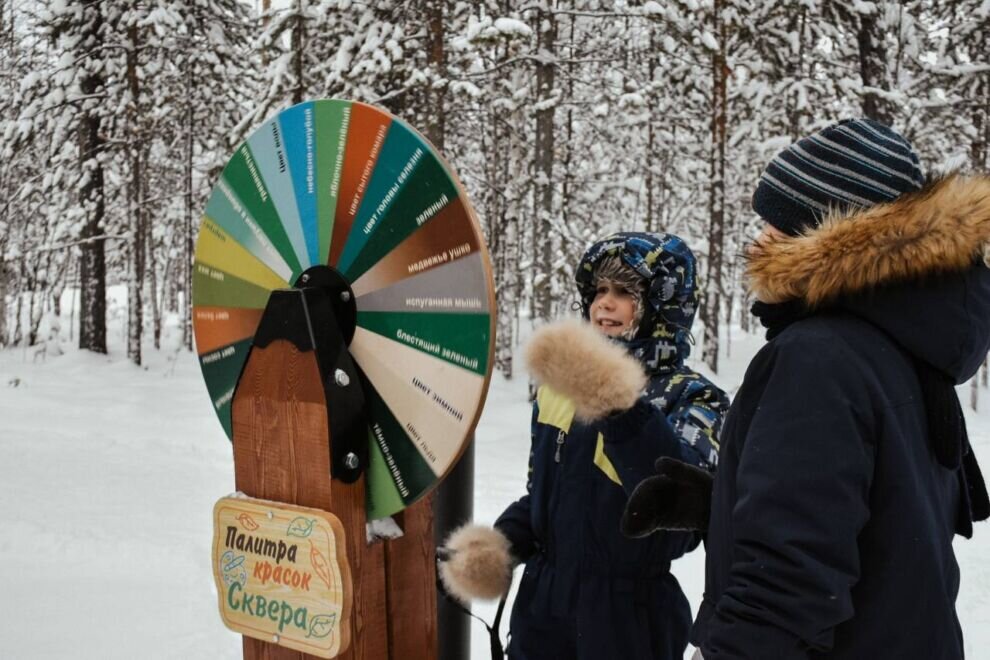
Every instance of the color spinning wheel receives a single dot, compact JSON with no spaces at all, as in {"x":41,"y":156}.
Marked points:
{"x":347,"y":185}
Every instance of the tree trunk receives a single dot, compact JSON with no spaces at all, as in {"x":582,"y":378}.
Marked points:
{"x":188,"y":233}
{"x":437,"y":61}
{"x":500,"y":235}
{"x":154,"y":282}
{"x":3,"y":302}
{"x":501,"y":204}
{"x":264,"y":7}
{"x":546,"y":29}
{"x":508,"y":305}
{"x":745,"y":316}
{"x":92,"y":262}
{"x":873,"y":68}
{"x":34,"y":317}
{"x":651,"y":223}
{"x":568,"y":187}
{"x":59,"y":284}
{"x":135,"y":278}
{"x":716,"y":203}
{"x":981,"y":127}
{"x":18,"y":311}
{"x":794,"y":72}
{"x":74,"y":283}
{"x":298,"y":54}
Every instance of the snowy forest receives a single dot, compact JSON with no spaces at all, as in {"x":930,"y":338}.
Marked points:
{"x":565,"y":119}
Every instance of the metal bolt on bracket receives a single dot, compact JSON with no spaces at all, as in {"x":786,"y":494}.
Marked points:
{"x":345,"y":295}
{"x":341,"y":378}
{"x":351,"y":461}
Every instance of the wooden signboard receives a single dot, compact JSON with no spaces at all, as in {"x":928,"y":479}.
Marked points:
{"x":282,"y":575}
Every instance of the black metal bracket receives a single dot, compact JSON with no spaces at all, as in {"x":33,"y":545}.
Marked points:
{"x":341,"y":296}
{"x":320,"y":315}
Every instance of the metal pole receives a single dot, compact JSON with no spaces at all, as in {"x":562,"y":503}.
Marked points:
{"x":453,"y":506}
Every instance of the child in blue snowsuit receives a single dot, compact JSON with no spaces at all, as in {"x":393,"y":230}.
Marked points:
{"x":588,"y":592}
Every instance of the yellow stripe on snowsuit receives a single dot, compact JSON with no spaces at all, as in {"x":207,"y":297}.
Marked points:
{"x":605,"y":465}
{"x":557,"y":410}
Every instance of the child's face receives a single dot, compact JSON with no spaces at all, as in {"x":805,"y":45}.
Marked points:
{"x":613,"y":310}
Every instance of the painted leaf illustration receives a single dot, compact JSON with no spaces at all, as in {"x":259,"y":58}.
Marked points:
{"x":301,"y":527}
{"x":320,"y":565}
{"x":230,"y":562}
{"x":321,"y":625}
{"x":248,"y":522}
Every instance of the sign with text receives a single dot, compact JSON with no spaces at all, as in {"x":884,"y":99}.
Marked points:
{"x":282,"y":575}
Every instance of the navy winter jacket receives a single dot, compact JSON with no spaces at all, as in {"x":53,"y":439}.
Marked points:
{"x":588,"y":592}
{"x":832,"y":521}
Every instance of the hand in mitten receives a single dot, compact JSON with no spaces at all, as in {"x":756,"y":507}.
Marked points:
{"x":574,"y":359}
{"x":475,"y":562}
{"x":679,"y":498}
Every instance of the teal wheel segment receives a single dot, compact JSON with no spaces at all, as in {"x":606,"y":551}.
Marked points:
{"x":298,"y":129}
{"x":272,"y":159}
{"x":400,"y":156}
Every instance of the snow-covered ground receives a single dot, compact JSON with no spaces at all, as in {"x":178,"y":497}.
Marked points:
{"x":108,"y":476}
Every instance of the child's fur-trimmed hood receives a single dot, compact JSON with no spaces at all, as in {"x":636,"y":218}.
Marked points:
{"x":939,"y":229}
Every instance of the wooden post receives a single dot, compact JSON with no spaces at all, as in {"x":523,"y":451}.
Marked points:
{"x":283,"y":452}
{"x":411,"y":585}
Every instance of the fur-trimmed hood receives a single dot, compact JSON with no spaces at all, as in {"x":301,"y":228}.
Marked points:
{"x":941,"y":228}
{"x":913,"y":266}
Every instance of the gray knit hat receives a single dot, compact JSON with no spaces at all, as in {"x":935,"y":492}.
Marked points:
{"x":614,"y":270}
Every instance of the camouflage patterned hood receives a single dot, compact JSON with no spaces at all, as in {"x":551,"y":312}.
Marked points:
{"x":670,"y":302}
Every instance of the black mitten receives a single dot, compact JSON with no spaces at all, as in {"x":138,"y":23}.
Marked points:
{"x":679,"y":498}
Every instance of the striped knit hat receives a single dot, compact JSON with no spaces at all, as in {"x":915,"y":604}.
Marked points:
{"x":855,"y":163}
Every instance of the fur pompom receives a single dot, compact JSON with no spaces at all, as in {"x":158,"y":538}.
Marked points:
{"x":478,"y":564}
{"x":574,"y":359}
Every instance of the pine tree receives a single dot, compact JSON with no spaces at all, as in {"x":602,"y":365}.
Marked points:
{"x":214,"y":80}
{"x":73,"y":100}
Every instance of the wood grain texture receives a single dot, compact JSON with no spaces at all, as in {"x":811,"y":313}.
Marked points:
{"x":281,"y":453}
{"x":369,"y":632}
{"x":411,"y":582}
